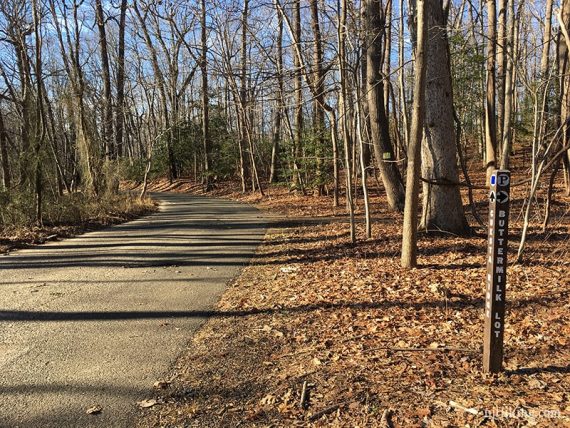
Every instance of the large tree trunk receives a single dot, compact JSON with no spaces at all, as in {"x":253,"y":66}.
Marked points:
{"x":374,"y":27}
{"x":442,"y":204}
{"x":40,"y":126}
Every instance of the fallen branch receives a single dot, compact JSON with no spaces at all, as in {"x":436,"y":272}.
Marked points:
{"x":470,"y":410}
{"x":327,"y":410}
{"x":443,"y":349}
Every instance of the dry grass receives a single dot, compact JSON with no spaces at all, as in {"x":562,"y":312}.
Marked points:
{"x":70,"y":216}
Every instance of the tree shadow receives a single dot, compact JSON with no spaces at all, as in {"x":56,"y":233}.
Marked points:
{"x":75,"y":388}
{"x":538,"y":370}
{"x":451,"y":266}
{"x":458,"y":303}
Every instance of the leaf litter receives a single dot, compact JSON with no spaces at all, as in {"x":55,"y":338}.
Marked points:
{"x":372,"y":344}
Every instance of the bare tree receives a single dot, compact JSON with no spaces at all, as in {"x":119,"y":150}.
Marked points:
{"x":410,"y":228}
{"x":106,"y":73}
{"x":298,"y":140}
{"x":383,"y":150}
{"x":161,"y":83}
{"x":69,"y":39}
{"x":490,"y":119}
{"x":6,"y":180}
{"x":120,"y":102}
{"x":318,"y":102}
{"x":344,"y":112}
{"x":205,"y":98}
{"x":279,"y":102}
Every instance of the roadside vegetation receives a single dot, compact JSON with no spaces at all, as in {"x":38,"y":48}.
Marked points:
{"x":65,"y":216}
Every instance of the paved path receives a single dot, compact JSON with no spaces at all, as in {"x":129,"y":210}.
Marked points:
{"x":99,"y":318}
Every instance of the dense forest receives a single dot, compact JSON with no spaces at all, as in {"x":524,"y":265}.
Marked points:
{"x":321,"y":96}
{"x":345,"y":213}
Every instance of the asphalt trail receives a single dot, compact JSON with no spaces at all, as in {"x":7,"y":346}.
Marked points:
{"x":97,"y":319}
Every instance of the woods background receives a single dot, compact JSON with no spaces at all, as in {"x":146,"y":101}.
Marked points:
{"x":310,"y":94}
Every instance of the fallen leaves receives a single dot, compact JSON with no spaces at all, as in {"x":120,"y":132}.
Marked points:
{"x":379,"y":346}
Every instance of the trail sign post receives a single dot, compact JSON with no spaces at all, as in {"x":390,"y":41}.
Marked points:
{"x":496,"y":271}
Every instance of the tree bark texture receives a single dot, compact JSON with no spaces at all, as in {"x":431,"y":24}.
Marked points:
{"x":379,"y":124}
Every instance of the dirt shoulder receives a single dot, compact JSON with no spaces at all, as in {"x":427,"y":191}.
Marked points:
{"x":371,"y":344}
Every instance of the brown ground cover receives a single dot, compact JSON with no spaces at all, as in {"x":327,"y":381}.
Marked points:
{"x":372,"y":344}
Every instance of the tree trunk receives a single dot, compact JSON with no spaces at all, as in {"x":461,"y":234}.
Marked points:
{"x":401,"y":79}
{"x":6,"y":183}
{"x":298,"y":88}
{"x":205,"y":101}
{"x":564,"y":72}
{"x":279,"y":103}
{"x":387,"y":56}
{"x":501,"y":66}
{"x":344,"y":112}
{"x":365,"y":118}
{"x":39,"y":125}
{"x":442,"y":204}
{"x":507,"y":134}
{"x":120,"y":107}
{"x":106,"y":74}
{"x":410,"y":228}
{"x":383,"y":150}
{"x":319,"y":112}
{"x":490,"y":120}
{"x":242,"y":112}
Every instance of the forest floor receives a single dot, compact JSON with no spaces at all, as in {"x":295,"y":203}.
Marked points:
{"x":86,"y":216}
{"x":372,"y":344}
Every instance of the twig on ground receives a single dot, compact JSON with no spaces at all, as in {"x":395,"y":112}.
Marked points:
{"x":326,"y":411}
{"x":304,"y":402}
{"x":443,"y":349}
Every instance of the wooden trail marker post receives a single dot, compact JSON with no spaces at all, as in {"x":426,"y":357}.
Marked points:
{"x":496,"y":271}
